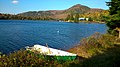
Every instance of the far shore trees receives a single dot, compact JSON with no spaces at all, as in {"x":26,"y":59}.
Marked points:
{"x":92,"y":16}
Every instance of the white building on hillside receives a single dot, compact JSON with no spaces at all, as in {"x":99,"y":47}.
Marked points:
{"x":86,"y":19}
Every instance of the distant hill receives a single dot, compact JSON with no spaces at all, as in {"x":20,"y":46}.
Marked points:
{"x":60,"y":14}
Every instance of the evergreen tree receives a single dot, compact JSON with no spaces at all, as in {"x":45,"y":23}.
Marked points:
{"x":68,"y":17}
{"x":76,"y":19}
{"x":71,"y":17}
{"x":114,"y":22}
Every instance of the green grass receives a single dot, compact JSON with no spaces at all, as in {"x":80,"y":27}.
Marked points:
{"x":95,"y":51}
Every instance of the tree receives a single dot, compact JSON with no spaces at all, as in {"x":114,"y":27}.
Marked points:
{"x":70,"y":18}
{"x":114,"y":22}
{"x":76,"y":19}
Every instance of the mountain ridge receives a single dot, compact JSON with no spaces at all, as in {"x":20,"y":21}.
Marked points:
{"x":61,"y":14}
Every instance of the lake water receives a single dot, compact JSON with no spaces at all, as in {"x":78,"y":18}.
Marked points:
{"x":16,"y":34}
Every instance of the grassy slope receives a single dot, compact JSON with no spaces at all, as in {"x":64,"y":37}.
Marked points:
{"x":93,"y":45}
{"x":95,"y":51}
{"x":99,"y":51}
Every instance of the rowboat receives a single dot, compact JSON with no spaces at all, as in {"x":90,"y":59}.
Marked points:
{"x":57,"y":54}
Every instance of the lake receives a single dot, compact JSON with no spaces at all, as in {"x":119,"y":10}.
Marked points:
{"x":16,"y":34}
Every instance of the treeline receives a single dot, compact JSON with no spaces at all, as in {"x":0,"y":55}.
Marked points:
{"x":98,"y":16}
{"x":101,"y":16}
{"x":19,"y":17}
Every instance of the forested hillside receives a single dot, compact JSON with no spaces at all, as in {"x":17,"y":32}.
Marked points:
{"x":71,"y":14}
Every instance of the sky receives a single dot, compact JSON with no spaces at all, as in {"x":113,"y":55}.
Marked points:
{"x":19,"y":6}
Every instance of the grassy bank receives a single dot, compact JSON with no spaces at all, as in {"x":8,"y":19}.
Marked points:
{"x":93,"y":45}
{"x":99,"y":51}
{"x":95,"y":51}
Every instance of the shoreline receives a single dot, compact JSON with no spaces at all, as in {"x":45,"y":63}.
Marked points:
{"x":100,"y":22}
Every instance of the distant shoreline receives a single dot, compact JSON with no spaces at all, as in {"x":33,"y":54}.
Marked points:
{"x":62,"y":21}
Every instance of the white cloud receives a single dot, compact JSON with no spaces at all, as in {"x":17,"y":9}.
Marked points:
{"x":14,"y":1}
